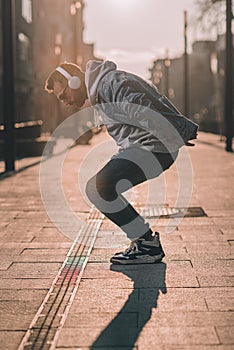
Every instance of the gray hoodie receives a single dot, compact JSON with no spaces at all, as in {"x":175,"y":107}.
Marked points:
{"x":134,"y":112}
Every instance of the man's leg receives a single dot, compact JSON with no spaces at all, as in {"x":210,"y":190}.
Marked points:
{"x":125,"y":170}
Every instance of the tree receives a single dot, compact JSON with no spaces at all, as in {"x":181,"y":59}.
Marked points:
{"x":209,"y":19}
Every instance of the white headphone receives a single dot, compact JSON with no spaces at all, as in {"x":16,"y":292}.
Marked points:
{"x":74,"y":82}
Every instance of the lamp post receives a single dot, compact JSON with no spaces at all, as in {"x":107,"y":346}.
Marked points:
{"x":8,"y":84}
{"x":229,"y":78}
{"x":186,"y":93}
{"x":228,"y":111}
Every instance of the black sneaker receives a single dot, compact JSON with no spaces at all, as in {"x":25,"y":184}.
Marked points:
{"x":141,"y":252}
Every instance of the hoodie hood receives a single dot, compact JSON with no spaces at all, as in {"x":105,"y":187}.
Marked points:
{"x":95,"y":71}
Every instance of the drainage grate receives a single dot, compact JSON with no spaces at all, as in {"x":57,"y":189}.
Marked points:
{"x":152,"y":212}
{"x":167,"y":212}
{"x":49,"y":320}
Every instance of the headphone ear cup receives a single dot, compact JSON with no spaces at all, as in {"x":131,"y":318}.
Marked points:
{"x":74,"y":83}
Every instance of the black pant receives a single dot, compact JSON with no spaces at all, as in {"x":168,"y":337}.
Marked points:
{"x":128,"y":168}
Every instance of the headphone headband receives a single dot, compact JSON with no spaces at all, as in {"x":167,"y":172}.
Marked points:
{"x":63,"y":72}
{"x":74,"y":82}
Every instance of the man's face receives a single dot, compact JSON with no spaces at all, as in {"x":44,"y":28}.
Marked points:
{"x":67,"y":95}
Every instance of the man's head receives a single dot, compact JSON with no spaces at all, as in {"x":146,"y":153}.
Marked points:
{"x":66,"y":82}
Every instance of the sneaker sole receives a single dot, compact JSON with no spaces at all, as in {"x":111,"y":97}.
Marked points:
{"x":146,"y":260}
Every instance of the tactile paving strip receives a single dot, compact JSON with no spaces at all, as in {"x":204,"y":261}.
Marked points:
{"x":49,"y":320}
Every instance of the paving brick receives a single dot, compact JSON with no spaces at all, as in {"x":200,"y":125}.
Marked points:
{"x":172,"y":238}
{"x":50,"y":237}
{"x":209,"y":263}
{"x":226,"y":334}
{"x":174,"y":248}
{"x":15,"y":307}
{"x":209,"y":248}
{"x":16,"y":322}
{"x":104,"y":301}
{"x":212,"y":271}
{"x":220,"y":213}
{"x":6,"y":215}
{"x":11,"y":251}
{"x":108,"y":283}
{"x":17,"y":236}
{"x":177,"y":336}
{"x":208,"y":238}
{"x":185,"y":347}
{"x":5,"y":262}
{"x":88,"y":337}
{"x":38,"y":216}
{"x":22,"y":294}
{"x":187,"y":299}
{"x":220,"y":301}
{"x":102,"y":255}
{"x":111,"y":241}
{"x":181,"y":280}
{"x":203,"y":257}
{"x":26,"y":223}
{"x":201,"y":231}
{"x":32,"y":270}
{"x":183,"y":318}
{"x":42,"y":255}
{"x":215,"y":281}
{"x":224,"y":222}
{"x":21,"y":283}
{"x":89,"y":320}
{"x":10,"y":340}
{"x":227,"y":232}
{"x":35,"y":245}
{"x":197,"y":222}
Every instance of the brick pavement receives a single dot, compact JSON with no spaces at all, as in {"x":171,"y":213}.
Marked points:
{"x":186,"y":302}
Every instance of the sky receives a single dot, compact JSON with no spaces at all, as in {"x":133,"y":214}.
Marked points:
{"x":135,"y":32}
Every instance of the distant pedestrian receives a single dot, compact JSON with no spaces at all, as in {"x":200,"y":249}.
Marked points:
{"x":149,"y":143}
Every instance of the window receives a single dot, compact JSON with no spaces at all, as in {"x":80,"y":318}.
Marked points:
{"x":27,"y":10}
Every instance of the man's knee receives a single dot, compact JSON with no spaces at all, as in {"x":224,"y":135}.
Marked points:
{"x":96,"y":190}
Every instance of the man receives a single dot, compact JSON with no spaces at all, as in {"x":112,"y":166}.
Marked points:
{"x":149,"y":131}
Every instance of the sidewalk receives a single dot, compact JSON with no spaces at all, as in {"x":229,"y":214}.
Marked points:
{"x":71,"y":296}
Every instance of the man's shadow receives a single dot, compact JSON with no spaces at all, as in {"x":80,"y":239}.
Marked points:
{"x":124,"y":329}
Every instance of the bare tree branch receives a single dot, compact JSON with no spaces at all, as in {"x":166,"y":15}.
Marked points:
{"x":209,"y":19}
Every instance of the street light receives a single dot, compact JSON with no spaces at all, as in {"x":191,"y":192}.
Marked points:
{"x":186,"y":93}
{"x":8,"y":84}
{"x":228,"y":77}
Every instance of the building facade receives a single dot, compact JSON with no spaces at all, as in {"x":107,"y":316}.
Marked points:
{"x":46,"y":33}
{"x":206,"y":70}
